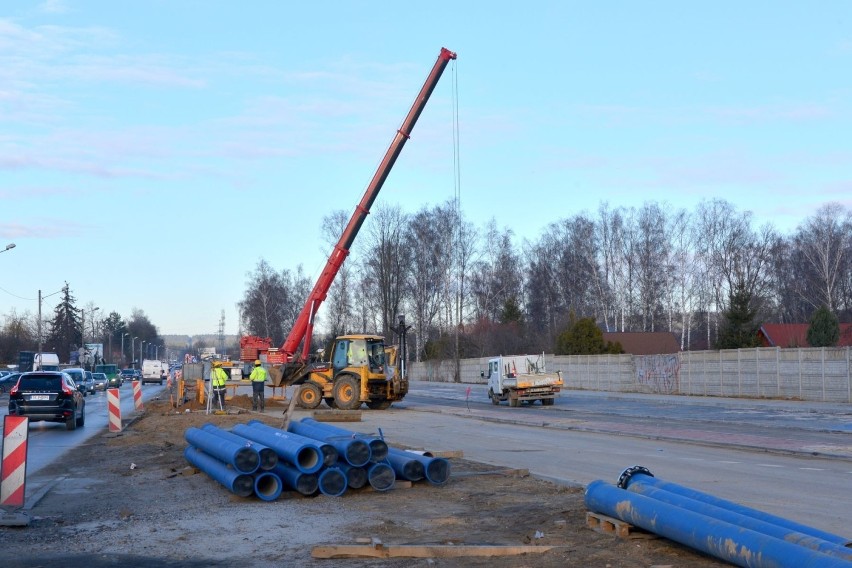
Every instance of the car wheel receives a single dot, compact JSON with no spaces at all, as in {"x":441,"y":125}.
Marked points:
{"x":71,"y":423}
{"x":82,"y":420}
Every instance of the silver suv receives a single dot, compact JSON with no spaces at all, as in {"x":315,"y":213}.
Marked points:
{"x":83,"y":379}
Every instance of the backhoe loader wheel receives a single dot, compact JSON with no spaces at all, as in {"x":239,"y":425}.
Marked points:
{"x":347,"y":393}
{"x":378,"y":404}
{"x":310,"y":396}
{"x":329,"y":400}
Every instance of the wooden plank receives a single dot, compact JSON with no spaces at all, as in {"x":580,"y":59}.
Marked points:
{"x":447,"y":454}
{"x":378,"y":550}
{"x":609,"y":525}
{"x":505,"y":472}
{"x":337,"y":415}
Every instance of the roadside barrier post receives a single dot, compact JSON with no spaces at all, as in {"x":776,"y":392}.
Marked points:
{"x":137,"y":395}
{"x":14,"y":466}
{"x":114,"y":406}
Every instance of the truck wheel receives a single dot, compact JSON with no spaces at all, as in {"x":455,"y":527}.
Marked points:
{"x":378,"y":404}
{"x":347,"y":393}
{"x":495,"y":400}
{"x":514,"y":402}
{"x":309,"y":396}
{"x":548,"y":401}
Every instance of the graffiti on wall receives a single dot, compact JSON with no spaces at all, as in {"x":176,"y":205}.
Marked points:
{"x":660,"y":373}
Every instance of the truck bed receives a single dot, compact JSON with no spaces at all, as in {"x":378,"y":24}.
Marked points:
{"x":527,"y":381}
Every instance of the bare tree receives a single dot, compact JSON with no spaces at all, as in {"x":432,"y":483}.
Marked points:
{"x":824,"y":242}
{"x":385,"y":261}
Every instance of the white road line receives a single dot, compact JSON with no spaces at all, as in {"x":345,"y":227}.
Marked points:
{"x":811,"y":468}
{"x":768,"y":465}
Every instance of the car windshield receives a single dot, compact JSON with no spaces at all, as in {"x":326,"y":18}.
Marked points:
{"x":76,"y":375}
{"x":40,"y":383}
{"x":100,"y":376}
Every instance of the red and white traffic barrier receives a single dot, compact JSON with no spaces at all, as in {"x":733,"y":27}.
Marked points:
{"x":114,"y":407}
{"x":137,"y":395}
{"x":14,"y":467}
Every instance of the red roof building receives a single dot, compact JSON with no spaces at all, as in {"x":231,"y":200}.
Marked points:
{"x":796,"y":335}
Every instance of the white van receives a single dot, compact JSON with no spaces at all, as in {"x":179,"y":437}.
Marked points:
{"x":154,"y":370}
{"x":45,"y":362}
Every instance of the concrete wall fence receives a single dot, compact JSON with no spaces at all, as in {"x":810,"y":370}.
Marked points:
{"x":820,"y":374}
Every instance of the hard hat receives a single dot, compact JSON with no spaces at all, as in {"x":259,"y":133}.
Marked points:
{"x":257,"y":362}
{"x":217,"y":364}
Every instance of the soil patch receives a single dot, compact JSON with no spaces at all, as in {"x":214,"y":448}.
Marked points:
{"x":132,"y":499}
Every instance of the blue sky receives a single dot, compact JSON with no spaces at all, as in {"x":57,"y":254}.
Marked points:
{"x":151,"y":153}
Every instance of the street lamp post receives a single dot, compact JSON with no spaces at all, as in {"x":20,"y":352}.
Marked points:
{"x":132,"y":352}
{"x":8,"y":247}
{"x":141,"y":352}
{"x":122,"y":348}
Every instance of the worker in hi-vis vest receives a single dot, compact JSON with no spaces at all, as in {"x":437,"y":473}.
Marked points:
{"x":258,"y":382}
{"x":218,"y":378}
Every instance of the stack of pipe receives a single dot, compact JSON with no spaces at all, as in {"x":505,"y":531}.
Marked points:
{"x":311,"y":457}
{"x":388,"y":463}
{"x":726,"y":530}
{"x":242,"y":466}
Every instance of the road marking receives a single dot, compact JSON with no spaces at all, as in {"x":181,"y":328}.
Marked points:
{"x":723,"y":461}
{"x":768,"y":465}
{"x":811,"y":468}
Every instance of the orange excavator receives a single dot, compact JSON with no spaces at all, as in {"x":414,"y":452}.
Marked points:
{"x":360,"y":368}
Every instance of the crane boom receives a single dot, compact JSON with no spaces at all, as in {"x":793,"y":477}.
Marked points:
{"x":303,"y":327}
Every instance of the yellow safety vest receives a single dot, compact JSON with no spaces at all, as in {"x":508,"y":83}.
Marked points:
{"x":219,"y":377}
{"x":258,"y":374}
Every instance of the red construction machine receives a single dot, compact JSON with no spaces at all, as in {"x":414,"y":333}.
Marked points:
{"x":359,"y":368}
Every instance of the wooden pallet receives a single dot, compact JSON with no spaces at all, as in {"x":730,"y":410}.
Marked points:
{"x":609,"y":525}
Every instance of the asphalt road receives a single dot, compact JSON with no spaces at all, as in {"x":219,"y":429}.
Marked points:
{"x":788,"y":458}
{"x":48,"y":441}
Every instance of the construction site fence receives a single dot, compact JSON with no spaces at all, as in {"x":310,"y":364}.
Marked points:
{"x":819,"y":374}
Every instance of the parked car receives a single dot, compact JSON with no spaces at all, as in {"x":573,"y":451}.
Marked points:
{"x":8,"y":381}
{"x":85,"y":382}
{"x":51,"y":396}
{"x":101,"y":381}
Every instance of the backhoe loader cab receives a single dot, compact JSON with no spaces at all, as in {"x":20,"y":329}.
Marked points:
{"x":361,"y":370}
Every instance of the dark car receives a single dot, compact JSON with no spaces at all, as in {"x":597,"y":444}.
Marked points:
{"x":48,"y":395}
{"x":8,"y":381}
{"x":83,"y":379}
{"x":131,"y":375}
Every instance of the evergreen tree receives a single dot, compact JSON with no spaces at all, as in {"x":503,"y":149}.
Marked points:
{"x":511,"y":312}
{"x":739,"y":327}
{"x":584,"y":337}
{"x":824,"y":330}
{"x":66,"y":327}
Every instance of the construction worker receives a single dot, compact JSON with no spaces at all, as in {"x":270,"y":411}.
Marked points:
{"x":218,"y":378}
{"x":258,"y":381}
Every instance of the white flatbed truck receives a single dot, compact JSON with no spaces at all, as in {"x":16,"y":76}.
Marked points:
{"x":521,"y":378}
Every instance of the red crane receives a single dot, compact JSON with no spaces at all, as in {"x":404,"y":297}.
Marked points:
{"x":251,"y":346}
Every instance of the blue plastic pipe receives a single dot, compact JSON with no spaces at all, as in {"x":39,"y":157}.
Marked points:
{"x":436,"y":470}
{"x":381,"y":476}
{"x":727,"y":541}
{"x":356,"y":477}
{"x":627,"y":479}
{"x":267,"y":486}
{"x":378,"y":447}
{"x":304,"y":483}
{"x":300,"y":452}
{"x":638,"y":485}
{"x":268,"y":457}
{"x":242,"y":458}
{"x":354,"y":451}
{"x":332,"y":481}
{"x":241,"y":484}
{"x":330,"y":455}
{"x":405,"y":466}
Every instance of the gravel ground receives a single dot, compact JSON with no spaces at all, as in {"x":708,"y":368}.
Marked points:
{"x":131,"y":499}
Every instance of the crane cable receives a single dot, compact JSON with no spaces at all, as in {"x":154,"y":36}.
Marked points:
{"x":456,"y":162}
